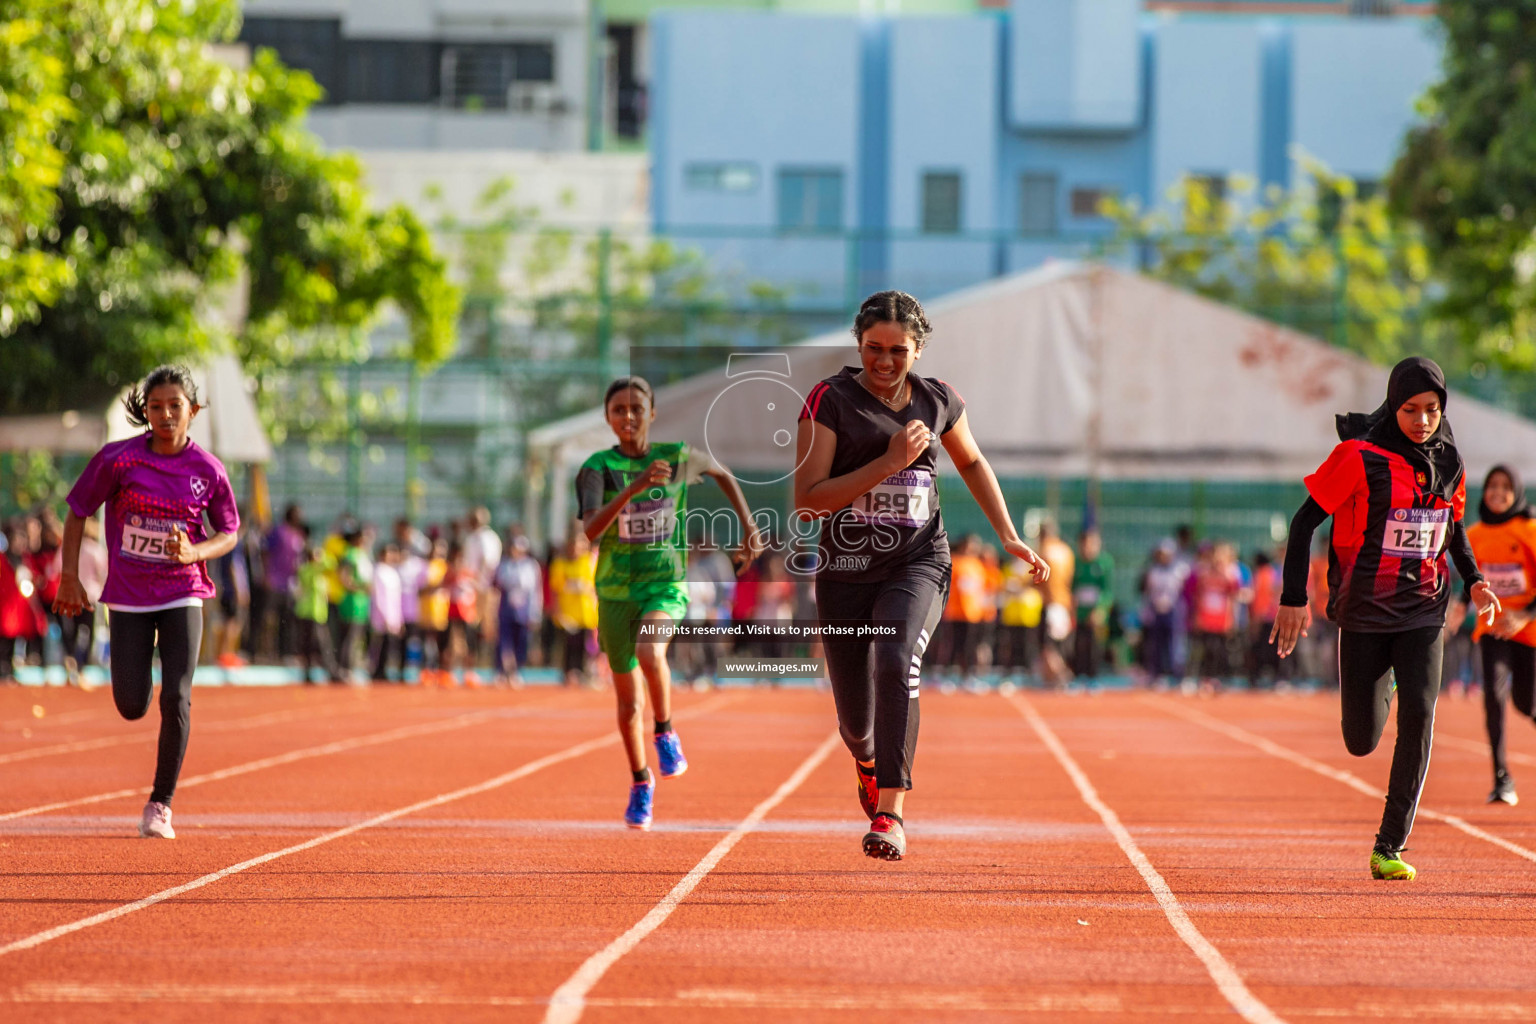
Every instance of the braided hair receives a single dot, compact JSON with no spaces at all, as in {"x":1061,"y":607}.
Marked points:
{"x":893,"y":307}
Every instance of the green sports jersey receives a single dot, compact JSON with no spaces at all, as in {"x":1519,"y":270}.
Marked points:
{"x":647,"y":543}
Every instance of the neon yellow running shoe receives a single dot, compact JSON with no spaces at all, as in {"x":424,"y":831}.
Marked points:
{"x":1391,"y":868}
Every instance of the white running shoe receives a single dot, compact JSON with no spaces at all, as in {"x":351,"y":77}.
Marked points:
{"x":156,"y":823}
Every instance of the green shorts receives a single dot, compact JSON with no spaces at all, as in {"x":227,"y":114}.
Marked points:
{"x":616,"y":621}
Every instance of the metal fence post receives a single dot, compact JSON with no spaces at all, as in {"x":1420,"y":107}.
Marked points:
{"x":354,"y":439}
{"x":604,"y":298}
{"x":413,"y":487}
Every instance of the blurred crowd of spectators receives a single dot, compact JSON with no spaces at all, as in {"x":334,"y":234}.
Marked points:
{"x":460,"y":602}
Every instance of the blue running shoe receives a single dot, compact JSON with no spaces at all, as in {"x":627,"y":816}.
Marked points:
{"x":669,"y":755}
{"x":638,"y":814}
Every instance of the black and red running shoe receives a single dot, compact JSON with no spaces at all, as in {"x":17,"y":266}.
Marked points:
{"x":869,"y":790}
{"x":885,"y":838}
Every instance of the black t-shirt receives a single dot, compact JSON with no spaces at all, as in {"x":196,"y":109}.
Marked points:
{"x":896,"y":522}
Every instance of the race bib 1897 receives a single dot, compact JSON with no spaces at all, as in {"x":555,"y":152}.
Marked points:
{"x":144,"y":538}
{"x":903,"y":499}
{"x":1415,"y":532}
{"x":647,"y":522}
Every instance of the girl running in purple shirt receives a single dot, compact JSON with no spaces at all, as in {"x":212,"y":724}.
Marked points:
{"x":157,"y":487}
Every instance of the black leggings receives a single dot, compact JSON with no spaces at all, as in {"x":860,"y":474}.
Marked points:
{"x":1368,"y":665}
{"x":1517,"y":680}
{"x":178,"y":632}
{"x":875,"y":682}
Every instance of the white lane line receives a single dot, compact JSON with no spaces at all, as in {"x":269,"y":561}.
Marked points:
{"x":566,"y":1005}
{"x":1227,"y":980}
{"x":580,"y":749}
{"x":33,"y":941}
{"x":337,"y":747}
{"x":1474,"y":747}
{"x":1349,"y":779}
{"x":148,"y":738}
{"x":62,"y":718}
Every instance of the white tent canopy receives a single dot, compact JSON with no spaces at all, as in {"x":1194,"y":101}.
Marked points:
{"x":228,"y":426}
{"x":1071,"y":370}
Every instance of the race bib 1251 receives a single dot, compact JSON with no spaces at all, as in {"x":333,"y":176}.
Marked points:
{"x":1415,"y":532}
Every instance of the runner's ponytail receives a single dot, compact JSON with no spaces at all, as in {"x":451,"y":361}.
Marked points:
{"x":137,"y":401}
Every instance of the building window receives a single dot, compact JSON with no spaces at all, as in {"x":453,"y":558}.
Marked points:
{"x":728,"y":177}
{"x":1085,"y":201}
{"x":1037,"y":204}
{"x":390,"y":71}
{"x":941,"y":202}
{"x":310,"y":44}
{"x":480,"y":75}
{"x":810,"y":200}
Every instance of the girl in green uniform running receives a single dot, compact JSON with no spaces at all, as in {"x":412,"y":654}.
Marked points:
{"x":632,"y":498}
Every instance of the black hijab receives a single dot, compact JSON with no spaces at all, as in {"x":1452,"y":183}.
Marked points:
{"x":1436,"y":458}
{"x":1521,"y":509}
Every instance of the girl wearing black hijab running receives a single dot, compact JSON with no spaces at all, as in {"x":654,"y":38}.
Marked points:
{"x":1396,"y":488}
{"x":1504,"y":541}
{"x":866,"y":460}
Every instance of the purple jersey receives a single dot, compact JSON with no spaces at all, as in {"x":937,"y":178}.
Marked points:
{"x":146,"y":494}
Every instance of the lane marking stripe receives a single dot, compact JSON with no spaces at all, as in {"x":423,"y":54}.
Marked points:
{"x":140,"y":736}
{"x":1227,"y":980}
{"x":568,"y":1001}
{"x":538,"y":764}
{"x":1349,"y":779}
{"x":337,"y":747}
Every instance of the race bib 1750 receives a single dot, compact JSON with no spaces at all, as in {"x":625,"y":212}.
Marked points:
{"x":903,"y":499}
{"x":1415,"y":532}
{"x":144,"y":538}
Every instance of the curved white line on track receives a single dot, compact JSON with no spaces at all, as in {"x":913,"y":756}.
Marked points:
{"x":580,"y":749}
{"x":1473,"y":747}
{"x":337,"y":747}
{"x":63,"y":718}
{"x":566,"y":1005}
{"x":141,"y":736}
{"x":1227,"y":980}
{"x":1349,"y":779}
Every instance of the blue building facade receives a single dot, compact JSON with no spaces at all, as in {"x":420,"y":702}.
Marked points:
{"x":833,"y":156}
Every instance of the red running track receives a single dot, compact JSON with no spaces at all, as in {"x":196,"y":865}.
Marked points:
{"x":405,"y":855}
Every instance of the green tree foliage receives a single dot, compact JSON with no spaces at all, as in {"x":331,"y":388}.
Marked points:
{"x":1468,"y":176}
{"x":1320,"y":258}
{"x":142,"y":172}
{"x":570,"y":307}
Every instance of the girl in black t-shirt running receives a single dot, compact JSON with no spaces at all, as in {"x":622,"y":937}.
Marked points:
{"x":867,"y":465}
{"x":1396,"y":489}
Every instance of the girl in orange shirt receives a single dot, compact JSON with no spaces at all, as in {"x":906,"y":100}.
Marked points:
{"x":1504,"y":541}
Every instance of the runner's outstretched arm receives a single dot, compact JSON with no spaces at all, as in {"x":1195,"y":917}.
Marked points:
{"x":751,"y":540}
{"x":71,"y":599}
{"x":1295,"y":614}
{"x":982,"y":483}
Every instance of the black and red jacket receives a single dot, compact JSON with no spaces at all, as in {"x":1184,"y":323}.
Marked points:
{"x":1387,"y":565}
